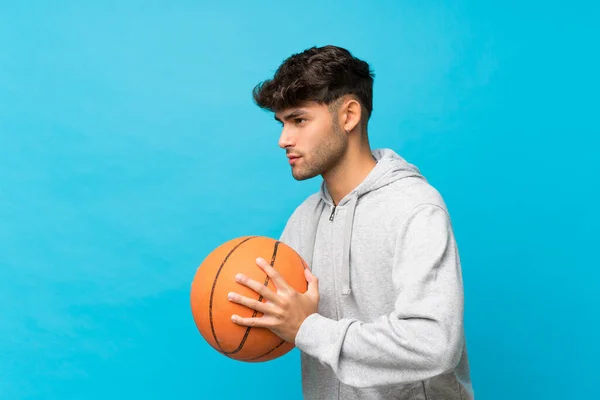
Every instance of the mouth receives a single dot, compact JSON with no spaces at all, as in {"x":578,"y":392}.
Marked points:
{"x":292,"y":159}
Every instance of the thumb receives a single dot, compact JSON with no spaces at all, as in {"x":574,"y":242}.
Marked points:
{"x":313,"y":282}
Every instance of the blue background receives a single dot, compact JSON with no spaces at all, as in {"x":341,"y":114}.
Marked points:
{"x":130,"y":148}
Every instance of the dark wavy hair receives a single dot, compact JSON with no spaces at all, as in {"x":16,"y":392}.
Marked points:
{"x":319,"y":74}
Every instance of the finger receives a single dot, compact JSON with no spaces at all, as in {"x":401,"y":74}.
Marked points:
{"x":275,"y":276}
{"x":251,"y":322}
{"x":258,"y":287}
{"x":250,"y":303}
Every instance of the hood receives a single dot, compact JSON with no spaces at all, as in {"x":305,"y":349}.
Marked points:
{"x":390,"y":168}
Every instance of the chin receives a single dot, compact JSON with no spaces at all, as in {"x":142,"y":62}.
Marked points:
{"x":299,"y":176}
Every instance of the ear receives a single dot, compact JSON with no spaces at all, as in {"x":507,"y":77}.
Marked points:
{"x":350,"y":114}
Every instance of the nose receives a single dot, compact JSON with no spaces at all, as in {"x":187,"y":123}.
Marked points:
{"x":285,"y":139}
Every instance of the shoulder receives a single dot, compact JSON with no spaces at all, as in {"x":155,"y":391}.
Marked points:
{"x":300,"y":221}
{"x":397,"y":203}
{"x":416,"y":213}
{"x":304,"y":209}
{"x":416,"y":193}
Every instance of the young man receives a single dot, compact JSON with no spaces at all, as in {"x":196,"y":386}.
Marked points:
{"x":383,"y":314}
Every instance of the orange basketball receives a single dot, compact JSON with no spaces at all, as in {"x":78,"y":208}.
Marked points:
{"x":215,"y":278}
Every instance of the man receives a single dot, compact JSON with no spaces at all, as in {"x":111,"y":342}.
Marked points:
{"x":383,"y":314}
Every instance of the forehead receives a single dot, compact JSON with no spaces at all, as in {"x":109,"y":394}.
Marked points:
{"x":305,"y":108}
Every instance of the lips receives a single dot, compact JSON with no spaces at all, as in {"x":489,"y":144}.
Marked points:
{"x":292,"y":158}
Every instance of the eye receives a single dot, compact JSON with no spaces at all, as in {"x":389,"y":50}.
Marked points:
{"x":299,"y":120}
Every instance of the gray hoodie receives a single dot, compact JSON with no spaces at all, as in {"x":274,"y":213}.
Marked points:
{"x":390,"y":317}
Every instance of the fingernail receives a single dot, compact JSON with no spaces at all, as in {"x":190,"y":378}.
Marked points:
{"x":238,"y":277}
{"x":230,"y":295}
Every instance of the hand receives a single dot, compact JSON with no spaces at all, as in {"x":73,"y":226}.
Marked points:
{"x":285,"y":310}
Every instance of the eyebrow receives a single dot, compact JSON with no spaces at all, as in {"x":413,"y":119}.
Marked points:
{"x":291,"y":115}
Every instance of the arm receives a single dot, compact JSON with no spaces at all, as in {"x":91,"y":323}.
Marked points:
{"x":423,"y":336}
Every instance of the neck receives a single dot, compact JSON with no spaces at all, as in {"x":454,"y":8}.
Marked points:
{"x":349,"y":172}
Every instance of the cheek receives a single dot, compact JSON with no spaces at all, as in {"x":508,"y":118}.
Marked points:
{"x":317,"y":137}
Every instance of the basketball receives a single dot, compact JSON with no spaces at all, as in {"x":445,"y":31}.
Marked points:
{"x":215,"y":278}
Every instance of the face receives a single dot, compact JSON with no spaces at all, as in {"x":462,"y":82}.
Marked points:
{"x":313,"y":138}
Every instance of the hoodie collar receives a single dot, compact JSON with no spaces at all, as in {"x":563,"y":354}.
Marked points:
{"x":390,"y":168}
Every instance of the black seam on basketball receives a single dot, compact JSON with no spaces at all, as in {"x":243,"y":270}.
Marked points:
{"x":268,"y":352}
{"x":212,"y":290}
{"x":303,"y":265}
{"x":255,"y":312}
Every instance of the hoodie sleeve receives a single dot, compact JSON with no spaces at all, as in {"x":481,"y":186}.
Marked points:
{"x":422,"y":336}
